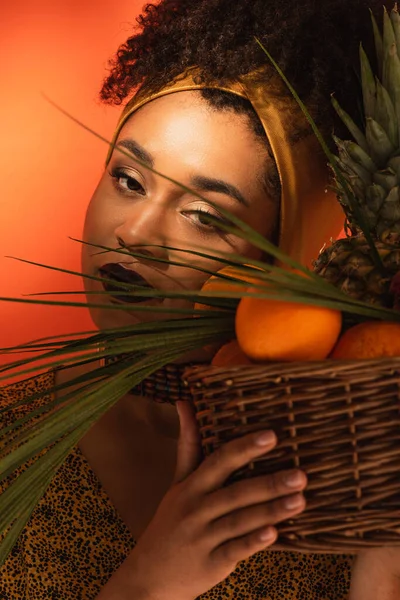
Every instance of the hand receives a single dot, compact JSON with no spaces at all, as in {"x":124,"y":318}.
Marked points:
{"x":376,"y":574}
{"x":200,"y":530}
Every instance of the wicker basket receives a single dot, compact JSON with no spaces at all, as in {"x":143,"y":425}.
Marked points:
{"x":339,"y":421}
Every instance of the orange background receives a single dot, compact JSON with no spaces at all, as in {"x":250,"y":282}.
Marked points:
{"x":49,"y":166}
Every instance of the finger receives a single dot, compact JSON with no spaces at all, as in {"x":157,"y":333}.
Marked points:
{"x":249,"y":492}
{"x":246,"y":520}
{"x":189,"y":451}
{"x":216,"y":468}
{"x":234,"y":551}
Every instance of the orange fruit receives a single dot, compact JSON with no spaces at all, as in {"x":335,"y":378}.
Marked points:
{"x":272,"y":330}
{"x":230,"y":354}
{"x":372,"y":339}
{"x":216,"y":284}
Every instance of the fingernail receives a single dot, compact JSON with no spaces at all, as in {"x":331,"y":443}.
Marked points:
{"x":265,"y":438}
{"x":267,"y":534}
{"x":294,"y":479}
{"x":293,"y":501}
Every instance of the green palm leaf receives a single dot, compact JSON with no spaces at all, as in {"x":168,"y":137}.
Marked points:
{"x":16,"y":504}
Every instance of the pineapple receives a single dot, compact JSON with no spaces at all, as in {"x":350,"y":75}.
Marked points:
{"x":368,"y":186}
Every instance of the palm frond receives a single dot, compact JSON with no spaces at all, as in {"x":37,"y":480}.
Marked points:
{"x":19,"y":499}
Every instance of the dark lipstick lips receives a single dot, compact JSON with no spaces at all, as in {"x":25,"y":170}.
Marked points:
{"x":118,"y":273}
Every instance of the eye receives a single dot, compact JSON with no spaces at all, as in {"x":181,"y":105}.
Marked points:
{"x":126,"y":183}
{"x":201,"y":219}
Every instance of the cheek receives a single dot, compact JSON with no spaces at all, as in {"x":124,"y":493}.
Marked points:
{"x":93,"y":219}
{"x":264,"y":220}
{"x":100,"y":216}
{"x":265,"y":217}
{"x":98,"y":227}
{"x":251,"y":252}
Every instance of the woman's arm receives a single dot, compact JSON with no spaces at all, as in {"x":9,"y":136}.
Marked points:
{"x":376,"y":575}
{"x":121,"y":585}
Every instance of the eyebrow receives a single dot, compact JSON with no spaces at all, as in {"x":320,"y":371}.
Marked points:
{"x":200,"y":182}
{"x":208,"y":184}
{"x":137,"y":150}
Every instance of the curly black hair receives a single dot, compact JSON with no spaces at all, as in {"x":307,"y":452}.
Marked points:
{"x":315,"y":42}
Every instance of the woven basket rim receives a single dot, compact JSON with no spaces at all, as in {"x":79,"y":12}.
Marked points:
{"x":328,"y":365}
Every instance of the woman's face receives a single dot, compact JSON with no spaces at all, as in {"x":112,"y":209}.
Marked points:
{"x":214,"y":153}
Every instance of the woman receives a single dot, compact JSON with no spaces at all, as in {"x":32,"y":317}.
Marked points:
{"x":133,"y":512}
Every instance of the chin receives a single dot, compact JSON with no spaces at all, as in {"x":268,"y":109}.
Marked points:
{"x":112,"y":319}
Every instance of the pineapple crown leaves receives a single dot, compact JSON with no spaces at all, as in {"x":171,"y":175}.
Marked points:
{"x":381,"y":95}
{"x":344,"y":189}
{"x":370,"y":166}
{"x":378,"y":43}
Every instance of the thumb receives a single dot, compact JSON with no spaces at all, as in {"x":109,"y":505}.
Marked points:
{"x":189,"y":454}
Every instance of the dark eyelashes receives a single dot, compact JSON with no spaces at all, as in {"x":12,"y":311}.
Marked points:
{"x":211,"y":227}
{"x":117,"y":173}
{"x":212,"y":220}
{"x":209,"y":216}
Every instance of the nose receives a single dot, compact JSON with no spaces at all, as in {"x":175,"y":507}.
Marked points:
{"x":143,"y":231}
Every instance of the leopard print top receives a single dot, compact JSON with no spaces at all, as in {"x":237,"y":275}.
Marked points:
{"x":75,"y":540}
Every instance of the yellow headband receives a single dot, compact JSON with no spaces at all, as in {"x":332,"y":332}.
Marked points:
{"x":309,"y":216}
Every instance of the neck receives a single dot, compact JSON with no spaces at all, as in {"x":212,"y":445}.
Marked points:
{"x":161,"y":418}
